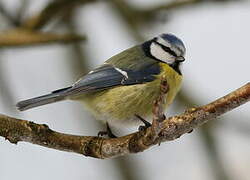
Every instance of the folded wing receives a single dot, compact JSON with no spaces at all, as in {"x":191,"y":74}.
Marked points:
{"x":107,"y":76}
{"x":103,"y":77}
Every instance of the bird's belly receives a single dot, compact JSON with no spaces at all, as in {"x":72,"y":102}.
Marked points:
{"x":119,"y":105}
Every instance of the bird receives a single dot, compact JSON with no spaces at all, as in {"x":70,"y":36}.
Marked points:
{"x":125,"y":86}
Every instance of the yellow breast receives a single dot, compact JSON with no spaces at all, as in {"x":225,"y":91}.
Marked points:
{"x":121,"y":103}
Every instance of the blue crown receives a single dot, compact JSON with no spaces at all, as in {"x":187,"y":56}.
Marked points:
{"x":172,"y":39}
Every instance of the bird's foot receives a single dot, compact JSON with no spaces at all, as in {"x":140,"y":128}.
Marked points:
{"x":108,"y":132}
{"x":146,"y":123}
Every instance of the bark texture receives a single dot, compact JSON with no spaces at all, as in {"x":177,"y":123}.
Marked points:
{"x":162,"y":129}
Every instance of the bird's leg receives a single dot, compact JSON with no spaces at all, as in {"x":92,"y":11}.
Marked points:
{"x":146,"y":123}
{"x":108,"y":132}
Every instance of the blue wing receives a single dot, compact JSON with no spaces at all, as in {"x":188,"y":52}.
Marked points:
{"x":107,"y":76}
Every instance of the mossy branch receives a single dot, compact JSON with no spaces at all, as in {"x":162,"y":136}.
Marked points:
{"x":163,"y":129}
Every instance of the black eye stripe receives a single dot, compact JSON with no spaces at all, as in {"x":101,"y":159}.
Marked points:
{"x":167,"y":49}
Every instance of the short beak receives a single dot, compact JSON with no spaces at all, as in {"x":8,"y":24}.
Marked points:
{"x":180,"y":59}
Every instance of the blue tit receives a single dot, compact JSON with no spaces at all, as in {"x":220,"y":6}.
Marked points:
{"x":126,"y":84}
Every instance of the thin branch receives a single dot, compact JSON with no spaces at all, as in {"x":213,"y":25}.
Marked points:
{"x":16,"y":130}
{"x":134,"y":17}
{"x":52,"y":10}
{"x":58,"y":8}
{"x":174,"y":5}
{"x":180,"y":4}
{"x":22,"y":37}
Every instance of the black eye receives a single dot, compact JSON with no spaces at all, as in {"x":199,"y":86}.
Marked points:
{"x":167,"y":49}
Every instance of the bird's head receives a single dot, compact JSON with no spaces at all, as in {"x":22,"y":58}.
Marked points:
{"x":166,"y":48}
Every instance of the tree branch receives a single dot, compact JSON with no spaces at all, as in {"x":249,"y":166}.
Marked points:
{"x":23,"y":37}
{"x":16,"y":130}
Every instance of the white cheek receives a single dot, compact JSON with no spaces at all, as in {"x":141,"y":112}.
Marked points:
{"x":160,"y":54}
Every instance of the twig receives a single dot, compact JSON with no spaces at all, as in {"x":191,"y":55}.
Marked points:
{"x":52,"y":10}
{"x":16,"y":130}
{"x":22,"y":37}
{"x":133,"y":17}
{"x":171,"y":5}
{"x":158,"y":114}
{"x":175,"y":4}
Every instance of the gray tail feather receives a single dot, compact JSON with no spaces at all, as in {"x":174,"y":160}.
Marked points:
{"x":39,"y":101}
